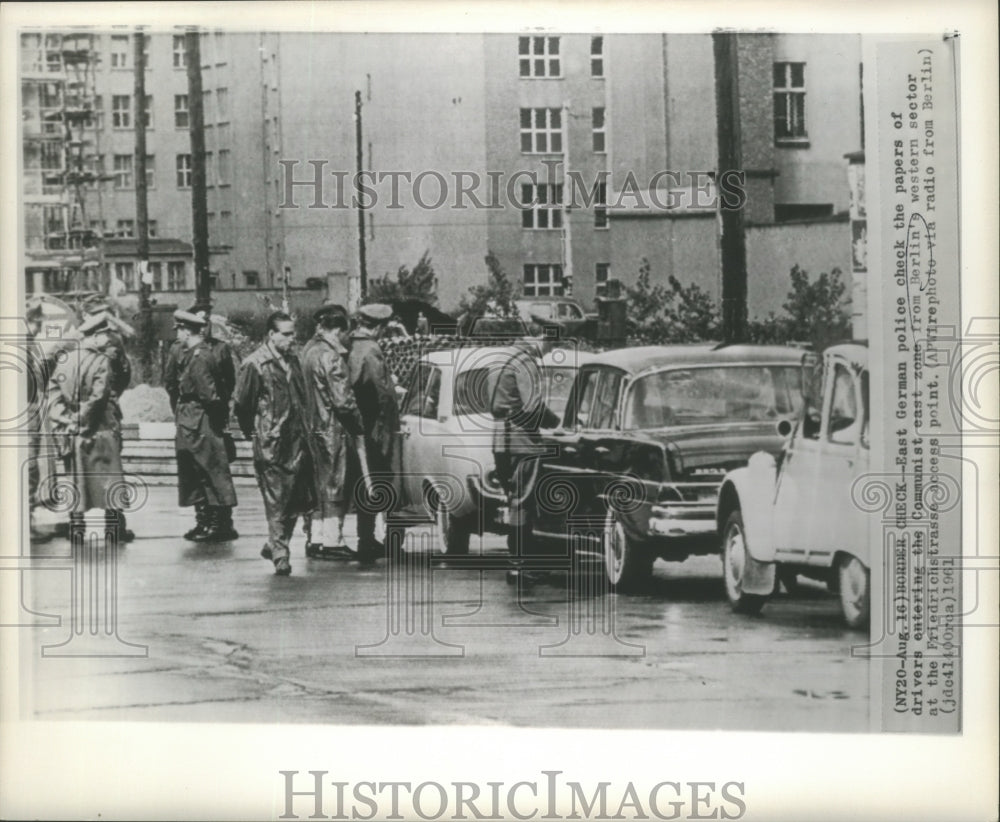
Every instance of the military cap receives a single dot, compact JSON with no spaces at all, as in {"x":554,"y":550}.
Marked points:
{"x":93,"y":323}
{"x":375,"y":312}
{"x":329,"y":310}
{"x":190,"y":320}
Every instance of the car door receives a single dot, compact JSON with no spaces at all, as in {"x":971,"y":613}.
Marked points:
{"x":422,"y":434}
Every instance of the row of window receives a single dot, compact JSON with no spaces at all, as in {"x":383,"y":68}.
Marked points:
{"x":219,"y":169}
{"x":38,"y":54}
{"x":546,"y":279}
{"x":175,"y":280}
{"x":539,"y":56}
{"x":546,"y":211}
{"x":542,"y":130}
{"x":121,"y":109}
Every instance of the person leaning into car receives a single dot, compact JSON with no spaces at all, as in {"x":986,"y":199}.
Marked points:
{"x":518,"y":404}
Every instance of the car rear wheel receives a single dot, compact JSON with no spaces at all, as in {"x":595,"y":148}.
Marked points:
{"x":854,"y":582}
{"x":735,"y":559}
{"x":627,"y":565}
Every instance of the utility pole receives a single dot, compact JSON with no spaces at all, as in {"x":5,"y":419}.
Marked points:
{"x":567,"y":198}
{"x":199,"y":194}
{"x":362,"y":264}
{"x":732,"y":241}
{"x":141,"y":208}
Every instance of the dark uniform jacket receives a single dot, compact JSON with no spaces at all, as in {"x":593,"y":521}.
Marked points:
{"x":84,"y":416}
{"x":376,"y":397}
{"x":202,"y":466}
{"x":270,"y":405}
{"x":332,"y":416}
{"x":518,"y":403}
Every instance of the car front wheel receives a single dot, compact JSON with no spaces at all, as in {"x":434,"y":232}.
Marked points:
{"x":627,"y":565}
{"x":735,"y":559}
{"x":855,"y":591}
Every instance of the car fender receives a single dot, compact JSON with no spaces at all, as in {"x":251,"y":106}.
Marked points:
{"x":751,"y":489}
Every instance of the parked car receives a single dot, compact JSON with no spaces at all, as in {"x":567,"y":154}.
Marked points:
{"x":793,"y":514}
{"x":563,"y":314}
{"x":646,"y":438}
{"x":446,"y":445}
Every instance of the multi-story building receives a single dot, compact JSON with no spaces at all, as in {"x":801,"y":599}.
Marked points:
{"x":453,"y":127}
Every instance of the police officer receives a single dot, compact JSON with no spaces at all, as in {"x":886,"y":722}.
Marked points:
{"x":84,"y":416}
{"x":518,"y":405}
{"x":333,"y":422}
{"x":270,"y":405}
{"x":375,"y":393}
{"x":202,"y":410}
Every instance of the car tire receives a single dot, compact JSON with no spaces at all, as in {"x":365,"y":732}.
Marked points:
{"x":453,"y":533}
{"x":854,"y":585}
{"x":734,"y":561}
{"x":627,"y":564}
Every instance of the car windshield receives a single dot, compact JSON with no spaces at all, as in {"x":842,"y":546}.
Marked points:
{"x":474,"y":389}
{"x":559,"y":380}
{"x":705,"y":396}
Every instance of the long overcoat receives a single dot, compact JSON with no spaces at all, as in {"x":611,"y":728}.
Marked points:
{"x":270,"y":405}
{"x":84,"y":416}
{"x":332,"y":417}
{"x":518,"y":404}
{"x":376,"y":397}
{"x":202,"y":409}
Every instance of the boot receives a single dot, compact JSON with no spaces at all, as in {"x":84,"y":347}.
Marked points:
{"x":214,"y":530}
{"x":200,"y":523}
{"x":226,"y":530}
{"x":112,"y":517}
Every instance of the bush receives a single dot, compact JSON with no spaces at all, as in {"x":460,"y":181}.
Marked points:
{"x":672,"y":313}
{"x":496,"y":299}
{"x":420,"y":283}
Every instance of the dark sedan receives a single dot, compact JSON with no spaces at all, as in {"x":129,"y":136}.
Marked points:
{"x":647,"y":435}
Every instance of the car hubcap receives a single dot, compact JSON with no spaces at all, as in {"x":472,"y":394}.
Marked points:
{"x":614,"y":549}
{"x":735,"y":560}
{"x":852,"y":585}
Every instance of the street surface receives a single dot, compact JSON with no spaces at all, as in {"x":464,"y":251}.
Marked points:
{"x":228,"y":641}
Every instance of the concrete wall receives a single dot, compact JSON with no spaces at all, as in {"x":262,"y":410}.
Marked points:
{"x":772,"y":251}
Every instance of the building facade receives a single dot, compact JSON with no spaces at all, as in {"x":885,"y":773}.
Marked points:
{"x":542,"y":148}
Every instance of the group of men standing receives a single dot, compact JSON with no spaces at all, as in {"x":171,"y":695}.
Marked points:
{"x":322,"y":426}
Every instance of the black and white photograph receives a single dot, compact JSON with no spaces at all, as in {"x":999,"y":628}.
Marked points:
{"x":434,"y":417}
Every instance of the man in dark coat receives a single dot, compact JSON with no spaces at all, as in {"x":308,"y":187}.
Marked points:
{"x":222,"y":368}
{"x":518,"y":405}
{"x":376,"y":455}
{"x":333,"y":420}
{"x":84,"y":416}
{"x":270,"y":404}
{"x":202,"y":409}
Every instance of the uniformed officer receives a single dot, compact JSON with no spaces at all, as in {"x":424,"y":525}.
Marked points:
{"x":202,"y":410}
{"x":376,"y":454}
{"x":518,"y":405}
{"x":270,"y":405}
{"x":83,"y":414}
{"x":333,"y":422}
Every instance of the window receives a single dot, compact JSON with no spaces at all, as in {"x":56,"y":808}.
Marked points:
{"x":153,"y":229}
{"x":121,"y":111}
{"x":125,"y":228}
{"x":123,"y":171}
{"x":181,"y":114}
{"x":251,"y":279}
{"x":602,"y":271}
{"x":180,"y":52}
{"x":97,"y":227}
{"x":604,"y":409}
{"x":789,"y":101}
{"x":538,"y":56}
{"x":802,"y":212}
{"x":473,"y":391}
{"x":601,"y":205}
{"x":541,"y":131}
{"x":126,"y":273}
{"x":156,"y":270}
{"x":541,"y":205}
{"x":581,"y":398}
{"x":147,"y":111}
{"x":843,"y":407}
{"x":50,"y":156}
{"x":176,"y":276}
{"x":119,"y":51}
{"x":183,"y":171}
{"x":542,"y":280}
{"x":225,"y":167}
{"x":596,"y":56}
{"x":598,"y":133}
{"x":222,"y":104}
{"x":150,"y":171}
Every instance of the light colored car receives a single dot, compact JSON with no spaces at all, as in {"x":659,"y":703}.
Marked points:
{"x":446,"y":445}
{"x":794,"y":514}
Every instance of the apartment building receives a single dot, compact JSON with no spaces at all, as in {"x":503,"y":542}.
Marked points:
{"x":458,"y":133}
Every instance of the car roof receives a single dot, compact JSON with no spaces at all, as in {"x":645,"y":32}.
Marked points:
{"x":643,"y":358}
{"x":855,"y":352}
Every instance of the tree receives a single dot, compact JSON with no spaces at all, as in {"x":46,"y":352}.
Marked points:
{"x":420,"y":283}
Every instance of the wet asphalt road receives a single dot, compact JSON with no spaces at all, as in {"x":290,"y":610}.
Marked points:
{"x":229,"y":642}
